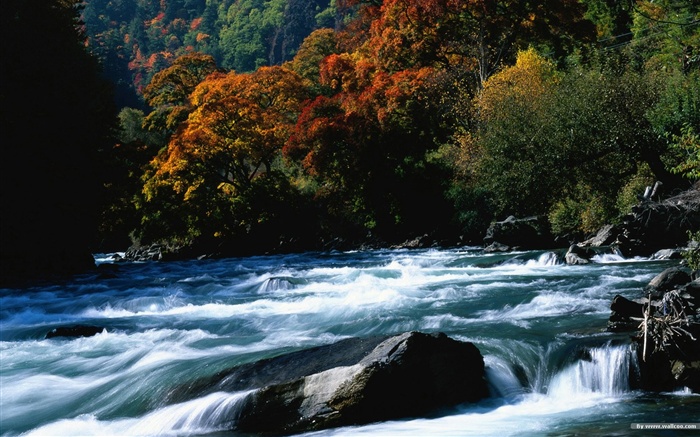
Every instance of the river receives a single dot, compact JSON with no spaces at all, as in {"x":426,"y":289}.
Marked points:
{"x":169,"y":323}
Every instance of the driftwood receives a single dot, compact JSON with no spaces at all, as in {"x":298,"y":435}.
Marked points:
{"x":667,"y":329}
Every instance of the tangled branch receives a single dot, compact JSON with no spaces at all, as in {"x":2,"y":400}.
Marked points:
{"x":667,"y":329}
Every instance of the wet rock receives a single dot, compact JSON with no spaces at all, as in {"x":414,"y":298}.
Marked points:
{"x":626,"y":307}
{"x":625,"y":314}
{"x":521,"y":233}
{"x":153,"y":252}
{"x":417,"y":243}
{"x":605,"y":237}
{"x":497,"y":247}
{"x":578,"y":255}
{"x":667,"y":254}
{"x":653,"y":226}
{"x":406,"y":375}
{"x":667,"y":280}
{"x":350,"y":382}
{"x":691,"y":291}
{"x":668,"y":332}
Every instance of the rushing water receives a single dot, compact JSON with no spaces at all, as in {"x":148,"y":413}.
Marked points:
{"x":552,"y":368}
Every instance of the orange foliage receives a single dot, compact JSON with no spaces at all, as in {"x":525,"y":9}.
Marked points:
{"x":237,"y":127}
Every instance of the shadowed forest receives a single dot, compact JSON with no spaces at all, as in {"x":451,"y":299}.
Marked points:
{"x":246,"y":126}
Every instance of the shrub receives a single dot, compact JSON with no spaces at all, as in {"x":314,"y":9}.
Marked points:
{"x":627,"y":197}
{"x":692,"y":255}
{"x":565,"y":217}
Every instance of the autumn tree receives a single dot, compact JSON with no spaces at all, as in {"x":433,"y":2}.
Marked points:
{"x":564,"y":143}
{"x":512,"y":153}
{"x":227,"y":148}
{"x":169,"y":91}
{"x":478,"y":35}
{"x":366,"y":146}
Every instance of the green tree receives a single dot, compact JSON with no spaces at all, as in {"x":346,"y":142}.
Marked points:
{"x":688,"y":144}
{"x":667,"y":33}
{"x":564,"y":143}
{"x":249,"y":25}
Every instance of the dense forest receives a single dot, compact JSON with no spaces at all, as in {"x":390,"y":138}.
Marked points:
{"x":137,"y":38}
{"x":248,"y":126}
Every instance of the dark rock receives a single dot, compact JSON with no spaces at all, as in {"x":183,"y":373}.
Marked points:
{"x":626,"y":307}
{"x":404,"y":376}
{"x":691,"y":291}
{"x":351,"y":382}
{"x":667,"y":280}
{"x":605,"y":236}
{"x":667,"y":332}
{"x":654,"y":371}
{"x":653,"y":226}
{"x":578,"y":255}
{"x":667,"y":345}
{"x":686,"y":374}
{"x":416,"y":243}
{"x":75,"y":331}
{"x":669,"y":370}
{"x":625,"y":314}
{"x":496,"y":247}
{"x":279,"y":369}
{"x":525,"y":233}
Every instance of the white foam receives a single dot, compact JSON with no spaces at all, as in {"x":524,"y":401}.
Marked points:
{"x":215,"y":412}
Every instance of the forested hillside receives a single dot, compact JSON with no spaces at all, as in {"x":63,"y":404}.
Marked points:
{"x":137,"y":38}
{"x":392,"y":119}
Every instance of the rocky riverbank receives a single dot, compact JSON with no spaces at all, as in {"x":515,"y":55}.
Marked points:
{"x":664,"y":323}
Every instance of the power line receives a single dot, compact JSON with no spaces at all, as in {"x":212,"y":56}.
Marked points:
{"x":675,"y":23}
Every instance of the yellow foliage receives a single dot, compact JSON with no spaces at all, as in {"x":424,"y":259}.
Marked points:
{"x":523,"y":84}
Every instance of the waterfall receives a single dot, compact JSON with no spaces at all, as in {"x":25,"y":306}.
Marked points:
{"x":548,"y":259}
{"x":606,"y":372}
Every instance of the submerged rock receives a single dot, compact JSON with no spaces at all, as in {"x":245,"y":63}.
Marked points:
{"x":75,"y":331}
{"x":355,"y":381}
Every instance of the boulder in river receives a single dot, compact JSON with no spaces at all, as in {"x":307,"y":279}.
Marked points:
{"x":667,"y":280}
{"x":578,"y":255}
{"x":355,"y":381}
{"x":520,"y":233}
